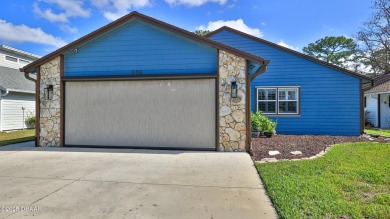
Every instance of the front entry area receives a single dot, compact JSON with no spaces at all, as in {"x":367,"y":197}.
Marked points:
{"x":141,"y":113}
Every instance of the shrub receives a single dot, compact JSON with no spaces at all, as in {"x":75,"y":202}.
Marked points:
{"x":30,"y":120}
{"x":268,"y":125}
{"x":366,"y":119}
{"x":260,"y":122}
{"x":256,"y":121}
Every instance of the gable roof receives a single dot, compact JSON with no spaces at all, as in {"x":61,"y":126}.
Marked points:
{"x":136,"y":15}
{"x":12,"y":80}
{"x":380,"y":84}
{"x":293,"y":52}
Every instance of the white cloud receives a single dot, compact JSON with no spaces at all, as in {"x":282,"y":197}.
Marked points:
{"x":194,"y":3}
{"x":69,"y":8}
{"x":357,"y":66}
{"x":49,"y":15}
{"x":282,"y":43}
{"x":67,"y":28}
{"x":22,"y":33}
{"x":114,"y":9}
{"x":112,"y":16}
{"x":66,"y":9}
{"x":100,"y":3}
{"x":236,"y":24}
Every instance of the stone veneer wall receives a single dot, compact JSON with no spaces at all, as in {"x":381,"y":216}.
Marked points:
{"x":232,"y":112}
{"x":50,"y":109}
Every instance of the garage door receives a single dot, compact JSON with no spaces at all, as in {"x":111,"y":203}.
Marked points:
{"x":152,"y":113}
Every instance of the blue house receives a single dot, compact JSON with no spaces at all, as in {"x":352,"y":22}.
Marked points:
{"x":303,"y":94}
{"x":141,"y":83}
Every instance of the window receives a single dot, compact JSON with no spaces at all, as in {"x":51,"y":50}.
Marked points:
{"x":25,"y":62}
{"x":267,"y":100}
{"x":10,"y":58}
{"x":278,"y":100}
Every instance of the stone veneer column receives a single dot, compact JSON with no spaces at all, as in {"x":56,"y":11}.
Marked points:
{"x":232,"y":112}
{"x":50,"y":109}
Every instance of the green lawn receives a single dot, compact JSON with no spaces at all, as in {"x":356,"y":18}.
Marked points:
{"x":375,"y":131}
{"x":351,"y":181}
{"x":16,"y":137}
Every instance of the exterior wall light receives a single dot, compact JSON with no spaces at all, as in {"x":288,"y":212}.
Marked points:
{"x":48,"y":92}
{"x":234,"y":89}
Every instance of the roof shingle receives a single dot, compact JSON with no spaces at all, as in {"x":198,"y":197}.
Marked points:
{"x":13,"y":79}
{"x":380,"y":84}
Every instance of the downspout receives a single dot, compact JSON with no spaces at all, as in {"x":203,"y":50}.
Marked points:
{"x":27,"y":76}
{"x":250,"y":78}
{"x":1,"y":102}
{"x":1,"y":113}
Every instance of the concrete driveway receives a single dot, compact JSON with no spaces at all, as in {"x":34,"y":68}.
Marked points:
{"x":108,"y":183}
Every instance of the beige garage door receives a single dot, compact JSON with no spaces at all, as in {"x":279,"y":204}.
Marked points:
{"x":158,"y":113}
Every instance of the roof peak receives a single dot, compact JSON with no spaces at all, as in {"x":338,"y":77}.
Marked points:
{"x":153,"y":21}
{"x":296,"y":53}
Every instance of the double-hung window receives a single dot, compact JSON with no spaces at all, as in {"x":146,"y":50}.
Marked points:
{"x":278,"y":100}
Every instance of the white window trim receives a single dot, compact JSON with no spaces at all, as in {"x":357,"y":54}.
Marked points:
{"x":298,"y":88}
{"x":5,"y":58}
{"x":276,"y":99}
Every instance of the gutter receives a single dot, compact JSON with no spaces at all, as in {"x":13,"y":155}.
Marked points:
{"x":260,"y":71}
{"x":14,"y":90}
{"x":4,"y":89}
{"x":21,"y":91}
{"x":27,"y":75}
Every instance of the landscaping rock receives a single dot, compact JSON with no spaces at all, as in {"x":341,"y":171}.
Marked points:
{"x":296,"y":152}
{"x":268,"y":160}
{"x":309,"y":145}
{"x":273,"y":153}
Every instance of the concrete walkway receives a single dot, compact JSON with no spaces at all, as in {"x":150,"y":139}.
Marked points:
{"x":108,"y":183}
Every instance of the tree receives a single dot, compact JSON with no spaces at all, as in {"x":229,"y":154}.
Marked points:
{"x":202,"y":32}
{"x":336,"y":50}
{"x":375,"y":38}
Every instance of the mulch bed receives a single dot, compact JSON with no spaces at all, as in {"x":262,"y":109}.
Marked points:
{"x":309,"y":145}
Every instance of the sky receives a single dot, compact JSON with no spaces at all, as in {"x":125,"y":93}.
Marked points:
{"x":42,"y":26}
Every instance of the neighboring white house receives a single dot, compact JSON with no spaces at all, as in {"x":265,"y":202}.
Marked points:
{"x":17,"y":94}
{"x":377,"y":102}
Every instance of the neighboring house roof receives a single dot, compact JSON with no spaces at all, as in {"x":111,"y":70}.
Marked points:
{"x":12,"y":80}
{"x":380,"y":84}
{"x":385,"y":87}
{"x":136,"y":15}
{"x":293,"y":52}
{"x":19,"y":52}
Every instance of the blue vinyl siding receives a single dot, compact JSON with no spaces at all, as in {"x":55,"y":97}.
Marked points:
{"x":329,"y":99}
{"x":140,"y":46}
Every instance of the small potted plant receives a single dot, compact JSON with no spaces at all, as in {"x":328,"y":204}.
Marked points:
{"x":269,"y":127}
{"x":256,"y":124}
